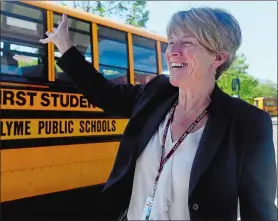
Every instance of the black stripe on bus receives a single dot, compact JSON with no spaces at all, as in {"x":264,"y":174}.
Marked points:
{"x":10,"y":78}
{"x":53,"y":87}
{"x":38,"y":114}
{"x":28,"y":43}
{"x":43,"y":142}
{"x":74,"y":204}
{"x":75,"y":30}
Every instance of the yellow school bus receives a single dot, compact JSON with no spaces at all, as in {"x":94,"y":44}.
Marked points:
{"x":268,"y":104}
{"x":57,"y":150}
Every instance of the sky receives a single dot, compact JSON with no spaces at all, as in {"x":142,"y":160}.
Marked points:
{"x":258,"y":22}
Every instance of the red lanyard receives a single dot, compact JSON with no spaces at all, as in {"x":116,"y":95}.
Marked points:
{"x":162,"y":162}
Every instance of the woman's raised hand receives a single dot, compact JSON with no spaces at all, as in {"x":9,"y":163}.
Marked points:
{"x":59,"y":36}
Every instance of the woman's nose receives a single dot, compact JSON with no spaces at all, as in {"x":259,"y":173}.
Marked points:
{"x":176,"y":50}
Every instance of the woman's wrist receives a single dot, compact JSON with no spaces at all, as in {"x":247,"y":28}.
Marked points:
{"x":64,"y":45}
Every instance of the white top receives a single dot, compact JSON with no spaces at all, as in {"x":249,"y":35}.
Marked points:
{"x":171,"y":198}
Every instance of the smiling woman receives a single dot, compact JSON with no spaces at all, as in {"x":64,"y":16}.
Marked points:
{"x":189,"y":151}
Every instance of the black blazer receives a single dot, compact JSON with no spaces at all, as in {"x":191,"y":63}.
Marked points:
{"x":235,"y":158}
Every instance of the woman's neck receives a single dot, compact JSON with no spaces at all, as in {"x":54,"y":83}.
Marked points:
{"x":192,"y":101}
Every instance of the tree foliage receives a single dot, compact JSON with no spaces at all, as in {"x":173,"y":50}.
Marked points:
{"x":250,"y":87}
{"x":132,"y":12}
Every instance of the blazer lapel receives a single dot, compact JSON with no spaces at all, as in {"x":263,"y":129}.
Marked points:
{"x":213,"y":133}
{"x":153,"y":122}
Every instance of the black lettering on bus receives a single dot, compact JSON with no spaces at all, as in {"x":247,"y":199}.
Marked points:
{"x":22,"y":128}
{"x":93,"y":126}
{"x":70,"y":127}
{"x":41,"y":126}
{"x":8,"y":96}
{"x":113,"y":125}
{"x":21,"y":98}
{"x":64,"y":100}
{"x":83,"y":102}
{"x":2,"y":132}
{"x":9,"y":125}
{"x":109,"y":126}
{"x":85,"y":126}
{"x":15,"y":128}
{"x":45,"y":102}
{"x":98,"y":126}
{"x":104,"y":125}
{"x":74,"y":101}
{"x":55,"y":127}
{"x":31,"y":95}
{"x":81,"y":126}
{"x":55,"y":99}
{"x":27,"y":127}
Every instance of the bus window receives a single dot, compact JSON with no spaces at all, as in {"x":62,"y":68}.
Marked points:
{"x":80,"y":33}
{"x":165,"y":69}
{"x":112,"y":51}
{"x":23,"y":57}
{"x":145,"y":60}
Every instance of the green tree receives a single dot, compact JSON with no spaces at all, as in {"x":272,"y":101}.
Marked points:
{"x":138,"y":16}
{"x":132,"y":12}
{"x":266,"y":89}
{"x":249,"y":86}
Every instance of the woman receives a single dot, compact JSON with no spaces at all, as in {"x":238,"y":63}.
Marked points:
{"x":224,"y":151}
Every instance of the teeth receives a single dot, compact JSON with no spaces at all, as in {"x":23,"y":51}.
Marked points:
{"x":175,"y":65}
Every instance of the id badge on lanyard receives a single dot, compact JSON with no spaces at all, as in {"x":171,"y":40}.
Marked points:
{"x":149,"y":200}
{"x":147,"y":208}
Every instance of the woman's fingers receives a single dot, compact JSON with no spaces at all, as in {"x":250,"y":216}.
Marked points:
{"x":65,"y":19}
{"x":45,"y":40}
{"x":62,"y":24}
{"x":48,"y":33}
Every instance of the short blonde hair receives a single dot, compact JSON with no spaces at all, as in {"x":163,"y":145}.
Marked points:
{"x":216,"y":29}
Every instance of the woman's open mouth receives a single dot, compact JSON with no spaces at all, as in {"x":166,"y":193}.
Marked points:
{"x":178,"y":65}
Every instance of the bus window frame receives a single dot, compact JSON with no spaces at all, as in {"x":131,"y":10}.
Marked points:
{"x":27,"y":79}
{"x":54,"y":58}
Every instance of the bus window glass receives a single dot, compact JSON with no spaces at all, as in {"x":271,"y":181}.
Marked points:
{"x":145,"y":59}
{"x":116,"y":75}
{"x":23,"y":57}
{"x":80,"y":34}
{"x":23,"y":10}
{"x":112,"y":51}
{"x":165,"y":69}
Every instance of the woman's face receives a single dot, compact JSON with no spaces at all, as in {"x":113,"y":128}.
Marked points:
{"x":189,"y":62}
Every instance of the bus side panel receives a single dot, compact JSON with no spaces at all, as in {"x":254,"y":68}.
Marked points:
{"x":28,"y":172}
{"x":54,"y":182}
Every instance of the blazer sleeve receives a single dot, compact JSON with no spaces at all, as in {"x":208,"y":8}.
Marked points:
{"x":259,"y":176}
{"x":100,"y":92}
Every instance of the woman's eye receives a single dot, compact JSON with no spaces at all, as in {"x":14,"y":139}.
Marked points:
{"x":187,"y":43}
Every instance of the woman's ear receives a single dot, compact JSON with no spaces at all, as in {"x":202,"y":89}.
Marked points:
{"x":219,"y":59}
